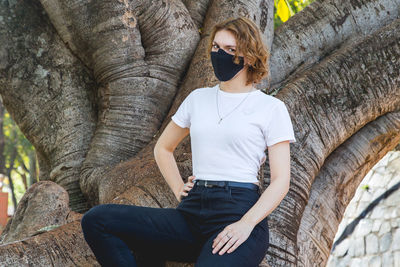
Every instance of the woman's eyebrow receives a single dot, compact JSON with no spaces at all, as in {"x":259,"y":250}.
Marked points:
{"x":225,"y":46}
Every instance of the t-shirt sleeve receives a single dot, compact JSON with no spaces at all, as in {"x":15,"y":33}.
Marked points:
{"x":279,"y":128}
{"x":183,"y":114}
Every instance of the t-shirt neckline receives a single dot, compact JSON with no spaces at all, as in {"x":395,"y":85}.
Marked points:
{"x":234,"y":94}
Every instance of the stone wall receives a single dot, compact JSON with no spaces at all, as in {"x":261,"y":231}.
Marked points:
{"x":375,"y":240}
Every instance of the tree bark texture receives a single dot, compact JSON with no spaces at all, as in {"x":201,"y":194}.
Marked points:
{"x":92,"y":85}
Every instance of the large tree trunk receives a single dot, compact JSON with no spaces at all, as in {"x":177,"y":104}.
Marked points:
{"x":92,"y":84}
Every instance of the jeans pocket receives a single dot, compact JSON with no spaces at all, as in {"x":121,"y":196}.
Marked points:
{"x":240,"y":195}
{"x":185,"y":197}
{"x":189,"y":193}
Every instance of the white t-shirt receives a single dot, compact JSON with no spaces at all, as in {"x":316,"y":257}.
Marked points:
{"x":234,"y":149}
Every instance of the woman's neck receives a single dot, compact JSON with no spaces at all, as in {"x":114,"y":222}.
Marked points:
{"x":236,"y":88}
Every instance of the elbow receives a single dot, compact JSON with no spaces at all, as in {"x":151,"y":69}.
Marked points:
{"x":285,"y":189}
{"x":287,"y":185}
{"x":283,"y":183}
{"x":158,"y":148}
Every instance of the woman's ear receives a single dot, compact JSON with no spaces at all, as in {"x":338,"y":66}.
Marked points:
{"x":246,"y":62}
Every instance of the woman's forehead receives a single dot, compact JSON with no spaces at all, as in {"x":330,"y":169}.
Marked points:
{"x":224,"y":38}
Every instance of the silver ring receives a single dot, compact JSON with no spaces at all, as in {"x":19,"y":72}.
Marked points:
{"x":228,"y":236}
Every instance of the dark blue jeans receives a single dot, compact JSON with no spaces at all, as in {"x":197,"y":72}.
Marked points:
{"x":129,"y":235}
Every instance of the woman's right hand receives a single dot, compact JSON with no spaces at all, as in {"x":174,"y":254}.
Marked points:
{"x":186,"y":188}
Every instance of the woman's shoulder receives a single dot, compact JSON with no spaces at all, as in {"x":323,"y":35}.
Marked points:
{"x":269,"y":101}
{"x":202,"y":91}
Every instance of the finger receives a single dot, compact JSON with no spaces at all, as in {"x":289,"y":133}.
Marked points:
{"x":228,"y":245}
{"x":221,"y":235}
{"x":235,"y":245}
{"x":218,"y":238}
{"x":220,"y":244}
{"x":191,"y":178}
{"x":188,"y":189}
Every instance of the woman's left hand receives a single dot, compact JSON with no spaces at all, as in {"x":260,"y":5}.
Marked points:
{"x":232,"y":236}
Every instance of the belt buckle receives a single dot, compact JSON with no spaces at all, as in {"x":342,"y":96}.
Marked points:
{"x":207,"y":185}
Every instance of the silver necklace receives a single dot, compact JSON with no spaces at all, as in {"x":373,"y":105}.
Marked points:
{"x":220,"y":119}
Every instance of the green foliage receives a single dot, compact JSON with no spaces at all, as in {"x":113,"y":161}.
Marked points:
{"x":16,"y":144}
{"x":19,"y":188}
{"x":365,"y":187}
{"x":15,"y":139}
{"x":284,"y":9}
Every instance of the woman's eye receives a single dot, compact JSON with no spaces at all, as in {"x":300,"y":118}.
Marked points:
{"x":230,"y":49}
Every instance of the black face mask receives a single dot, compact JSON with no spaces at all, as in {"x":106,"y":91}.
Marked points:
{"x":224,"y":67}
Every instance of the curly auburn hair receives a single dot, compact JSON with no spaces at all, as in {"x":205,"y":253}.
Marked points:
{"x":248,"y":42}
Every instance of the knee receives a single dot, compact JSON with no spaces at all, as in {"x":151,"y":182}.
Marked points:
{"x":92,"y":216}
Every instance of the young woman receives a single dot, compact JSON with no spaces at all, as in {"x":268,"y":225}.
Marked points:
{"x":221,"y":219}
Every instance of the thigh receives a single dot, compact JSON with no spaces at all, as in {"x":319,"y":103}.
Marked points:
{"x":161,"y":232}
{"x":249,"y":254}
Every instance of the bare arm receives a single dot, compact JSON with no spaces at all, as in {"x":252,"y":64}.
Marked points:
{"x":164,"y":157}
{"x":279,"y":161}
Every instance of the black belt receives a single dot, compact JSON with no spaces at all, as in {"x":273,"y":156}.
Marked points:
{"x":208,"y":183}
